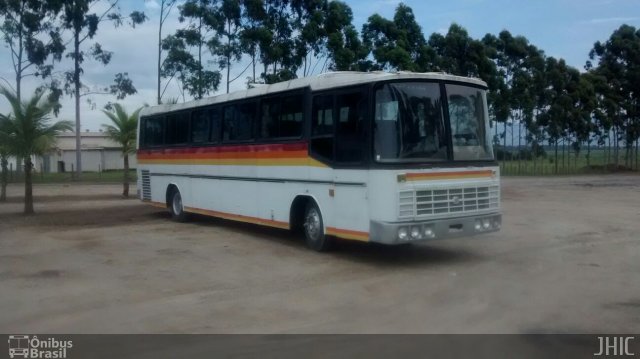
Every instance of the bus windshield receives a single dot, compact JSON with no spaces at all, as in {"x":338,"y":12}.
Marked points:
{"x":410,"y":124}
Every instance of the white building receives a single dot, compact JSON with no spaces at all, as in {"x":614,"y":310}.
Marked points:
{"x":99,"y":153}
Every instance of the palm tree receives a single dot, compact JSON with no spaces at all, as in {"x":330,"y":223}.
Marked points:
{"x":27,"y":132}
{"x":123,"y":131}
{"x":4,"y":160}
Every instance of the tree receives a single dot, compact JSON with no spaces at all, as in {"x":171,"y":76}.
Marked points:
{"x":397,"y":44}
{"x":165,"y":10}
{"x":83,"y":25}
{"x":123,"y":131}
{"x":4,"y":158}
{"x":27,"y":132}
{"x":181,"y":62}
{"x":345,"y":49}
{"x":227,"y":43}
{"x":618,"y":61}
{"x":28,"y":28}
{"x":254,"y":32}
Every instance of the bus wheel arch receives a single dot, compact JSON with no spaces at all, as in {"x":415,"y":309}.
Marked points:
{"x":304,"y":206}
{"x":175,"y":204}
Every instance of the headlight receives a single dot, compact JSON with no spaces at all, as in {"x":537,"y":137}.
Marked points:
{"x":478,"y":225}
{"x":428,"y":232}
{"x":415,"y":232}
{"x":402,"y":233}
{"x":486,"y":223}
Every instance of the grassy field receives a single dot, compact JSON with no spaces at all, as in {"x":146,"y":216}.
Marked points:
{"x":90,"y":177}
{"x":598,"y":161}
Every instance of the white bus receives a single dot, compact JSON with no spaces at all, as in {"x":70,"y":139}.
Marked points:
{"x":382,"y":157}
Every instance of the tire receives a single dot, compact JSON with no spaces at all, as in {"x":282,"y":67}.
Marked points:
{"x":176,"y":207}
{"x":313,"y":227}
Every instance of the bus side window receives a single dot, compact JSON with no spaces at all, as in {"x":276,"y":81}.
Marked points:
{"x":270,"y":114}
{"x":153,"y":131}
{"x":322,"y":126}
{"x":216,"y":125}
{"x":350,"y":127}
{"x":238,"y":122}
{"x":199,"y":126}
{"x":291,"y":116}
{"x":177,"y":128}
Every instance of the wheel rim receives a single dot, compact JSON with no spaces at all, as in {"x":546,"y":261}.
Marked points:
{"x":177,"y":203}
{"x":312,"y":224}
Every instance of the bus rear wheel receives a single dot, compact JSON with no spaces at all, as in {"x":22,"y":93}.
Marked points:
{"x":177,"y":208}
{"x":313,"y":226}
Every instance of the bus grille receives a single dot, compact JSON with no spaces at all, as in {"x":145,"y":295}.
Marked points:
{"x":436,"y":201}
{"x":146,"y":185}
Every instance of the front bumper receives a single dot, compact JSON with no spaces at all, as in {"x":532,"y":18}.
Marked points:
{"x":388,"y":232}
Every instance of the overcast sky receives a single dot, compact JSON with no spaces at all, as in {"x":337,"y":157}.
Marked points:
{"x":562,"y":28}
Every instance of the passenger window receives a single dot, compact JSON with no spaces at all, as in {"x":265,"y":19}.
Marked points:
{"x":350,"y":127}
{"x":322,"y":126}
{"x":177,"y":128}
{"x":216,"y":125}
{"x":199,"y":126}
{"x":270,"y":113}
{"x":238,"y":122}
{"x":153,"y":131}
{"x":281,"y":118}
{"x":291,"y":116}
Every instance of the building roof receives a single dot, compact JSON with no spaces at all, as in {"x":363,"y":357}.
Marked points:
{"x":319,"y":82}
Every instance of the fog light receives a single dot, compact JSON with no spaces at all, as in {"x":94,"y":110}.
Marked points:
{"x":428,"y":232}
{"x":486,"y":224}
{"x":496,"y":223}
{"x":415,"y":232}
{"x":402,"y":233}
{"x":478,"y":226}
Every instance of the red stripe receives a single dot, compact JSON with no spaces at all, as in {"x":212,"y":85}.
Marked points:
{"x":278,"y":147}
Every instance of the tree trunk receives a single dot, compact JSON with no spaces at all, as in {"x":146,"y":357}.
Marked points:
{"x":28,"y":186}
{"x":5,"y":172}
{"x":556,"y":157}
{"x":125,"y":180}
{"x":504,"y":147}
{"x":160,"y":49}
{"x":76,"y":80}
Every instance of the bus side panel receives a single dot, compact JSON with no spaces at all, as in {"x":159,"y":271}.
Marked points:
{"x":161,"y":178}
{"x":230,"y":190}
{"x":349,"y":201}
{"x":276,"y":197}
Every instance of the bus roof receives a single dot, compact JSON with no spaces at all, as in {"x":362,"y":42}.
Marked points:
{"x":319,"y":82}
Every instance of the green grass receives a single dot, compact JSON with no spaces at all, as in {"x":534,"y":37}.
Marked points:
{"x":89,"y":177}
{"x":598,"y":161}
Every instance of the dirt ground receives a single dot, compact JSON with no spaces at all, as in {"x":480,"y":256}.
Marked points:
{"x":566,"y":261}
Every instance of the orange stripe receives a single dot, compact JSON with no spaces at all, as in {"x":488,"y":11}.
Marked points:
{"x":239,"y":218}
{"x":156,"y":204}
{"x":341,"y":233}
{"x":448,"y":175}
{"x":348,"y":234}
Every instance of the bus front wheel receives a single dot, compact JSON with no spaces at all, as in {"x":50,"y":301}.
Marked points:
{"x":314,"y":229}
{"x":176,"y":207}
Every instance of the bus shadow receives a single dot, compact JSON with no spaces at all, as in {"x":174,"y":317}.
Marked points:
{"x":370,"y":253}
